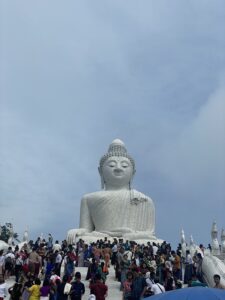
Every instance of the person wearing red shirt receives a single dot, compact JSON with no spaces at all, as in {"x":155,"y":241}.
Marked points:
{"x":98,"y":288}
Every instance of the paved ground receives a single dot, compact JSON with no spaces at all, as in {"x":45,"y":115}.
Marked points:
{"x":114,"y":292}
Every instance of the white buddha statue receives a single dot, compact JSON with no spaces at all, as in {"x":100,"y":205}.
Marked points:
{"x":117,"y":210}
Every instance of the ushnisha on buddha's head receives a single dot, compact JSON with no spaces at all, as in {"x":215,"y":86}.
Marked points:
{"x":116,"y":167}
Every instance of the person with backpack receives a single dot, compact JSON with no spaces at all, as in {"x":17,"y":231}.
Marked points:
{"x":15,"y":291}
{"x":78,"y":288}
{"x":9,"y":263}
{"x":18,"y":265}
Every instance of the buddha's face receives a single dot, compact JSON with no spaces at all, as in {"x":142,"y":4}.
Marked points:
{"x":117,"y":172}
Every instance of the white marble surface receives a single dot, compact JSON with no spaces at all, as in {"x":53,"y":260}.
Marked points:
{"x":212,"y":265}
{"x":3,"y":245}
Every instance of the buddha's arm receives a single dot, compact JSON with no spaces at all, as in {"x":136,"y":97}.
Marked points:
{"x":85,"y":217}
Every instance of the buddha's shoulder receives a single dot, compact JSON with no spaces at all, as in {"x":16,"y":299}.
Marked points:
{"x":138,"y":194}
{"x":94,"y":195}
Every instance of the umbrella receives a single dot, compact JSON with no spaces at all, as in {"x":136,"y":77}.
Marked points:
{"x":192,"y":293}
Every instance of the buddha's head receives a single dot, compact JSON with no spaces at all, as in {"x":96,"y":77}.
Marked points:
{"x":116,"y":167}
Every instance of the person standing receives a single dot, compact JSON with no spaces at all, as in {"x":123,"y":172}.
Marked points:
{"x":176,"y":262}
{"x":69,"y":263}
{"x":188,"y":267}
{"x":56,"y":246}
{"x":58,"y":262}
{"x":35,"y":290}
{"x":18,"y":265}
{"x":45,"y":290}
{"x":127,"y":286}
{"x":2,"y":264}
{"x":50,"y":241}
{"x":77,"y":289}
{"x":114,"y":253}
{"x":138,"y":287}
{"x":62,"y":294}
{"x":9,"y":263}
{"x":3,"y":289}
{"x":34,"y":262}
{"x":15,"y":291}
{"x":98,"y":288}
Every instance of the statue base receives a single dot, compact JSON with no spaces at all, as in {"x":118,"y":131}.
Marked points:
{"x":93,"y":237}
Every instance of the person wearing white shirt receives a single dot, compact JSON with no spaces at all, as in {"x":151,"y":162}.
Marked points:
{"x":150,"y":279}
{"x":56,"y":246}
{"x":9,"y":263}
{"x":3,"y":289}
{"x":58,"y":261}
{"x":157,"y":288}
{"x":155,"y":249}
{"x":114,"y":253}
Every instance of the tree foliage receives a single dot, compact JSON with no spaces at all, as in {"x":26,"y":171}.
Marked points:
{"x":6,"y":233}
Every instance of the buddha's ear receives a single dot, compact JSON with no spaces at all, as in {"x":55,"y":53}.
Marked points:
{"x":132,"y":177}
{"x":130,"y":182}
{"x":102,"y":179}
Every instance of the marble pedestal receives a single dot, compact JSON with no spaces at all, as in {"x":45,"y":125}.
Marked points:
{"x":93,"y":238}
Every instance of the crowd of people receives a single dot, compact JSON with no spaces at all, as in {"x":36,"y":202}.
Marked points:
{"x":46,"y":270}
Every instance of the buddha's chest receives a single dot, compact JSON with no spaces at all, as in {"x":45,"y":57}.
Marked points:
{"x":109,"y":200}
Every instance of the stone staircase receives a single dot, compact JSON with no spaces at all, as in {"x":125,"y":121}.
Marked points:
{"x":114,"y":292}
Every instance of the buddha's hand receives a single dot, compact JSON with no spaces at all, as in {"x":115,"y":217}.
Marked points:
{"x":139,"y":235}
{"x":119,"y":231}
{"x":73,"y":233}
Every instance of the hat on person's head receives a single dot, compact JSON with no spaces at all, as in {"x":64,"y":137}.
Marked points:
{"x":92,"y":297}
{"x":147,"y":275}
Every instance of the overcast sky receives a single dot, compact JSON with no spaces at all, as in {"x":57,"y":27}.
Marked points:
{"x":75,"y":75}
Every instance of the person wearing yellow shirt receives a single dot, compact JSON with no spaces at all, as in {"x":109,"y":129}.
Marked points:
{"x":35,"y":290}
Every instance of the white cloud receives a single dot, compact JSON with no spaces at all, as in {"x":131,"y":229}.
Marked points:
{"x":76,"y":76}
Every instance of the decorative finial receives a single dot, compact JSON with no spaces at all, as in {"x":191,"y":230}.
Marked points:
{"x":222,"y":234}
{"x":223,"y":241}
{"x":183,"y":244}
{"x":215,"y":243}
{"x":182,"y":236}
{"x":214,"y":227}
{"x":118,"y":142}
{"x":25,"y":235}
